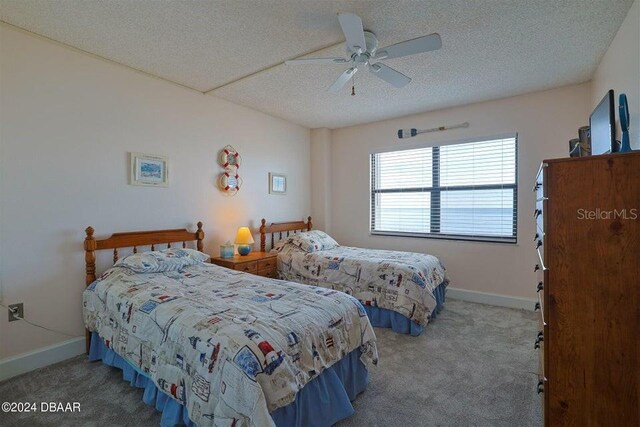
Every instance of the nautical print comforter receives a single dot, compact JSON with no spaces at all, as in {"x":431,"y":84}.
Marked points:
{"x":230,"y":346}
{"x":398,"y":281}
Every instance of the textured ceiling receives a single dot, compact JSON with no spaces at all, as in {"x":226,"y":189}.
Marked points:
{"x":491,"y":48}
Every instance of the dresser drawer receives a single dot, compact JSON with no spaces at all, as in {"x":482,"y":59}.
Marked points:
{"x":540,"y":292}
{"x":538,"y":215}
{"x":540,"y":265}
{"x":540,"y":252}
{"x":541,"y":323}
{"x":542,"y":331}
{"x":538,"y":186}
{"x":540,"y":196}
{"x":541,"y":375}
{"x":538,"y":235}
{"x":539,"y":243}
{"x":267,"y":263}
{"x":540,"y":307}
{"x":539,"y":230}
{"x":249,"y":267}
{"x":542,"y":379}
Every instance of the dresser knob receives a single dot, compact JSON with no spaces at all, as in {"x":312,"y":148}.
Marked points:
{"x":539,"y":339}
{"x":540,"y":286}
{"x":540,"y":386}
{"x":536,"y":307}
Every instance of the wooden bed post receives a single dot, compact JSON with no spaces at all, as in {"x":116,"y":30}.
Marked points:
{"x":280,"y":227}
{"x":263,"y":235}
{"x":90,"y":271}
{"x":199,"y":237}
{"x":133,"y":239}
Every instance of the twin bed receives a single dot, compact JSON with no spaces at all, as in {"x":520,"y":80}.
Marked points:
{"x":399,"y":290}
{"x":213,"y":346}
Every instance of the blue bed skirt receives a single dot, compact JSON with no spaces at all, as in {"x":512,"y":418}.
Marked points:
{"x":385,"y":318}
{"x":324,"y":401}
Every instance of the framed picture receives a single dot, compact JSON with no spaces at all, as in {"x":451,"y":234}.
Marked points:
{"x":277,"y":183}
{"x":149,"y":170}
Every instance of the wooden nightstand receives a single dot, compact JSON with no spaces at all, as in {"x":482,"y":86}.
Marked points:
{"x":259,"y":263}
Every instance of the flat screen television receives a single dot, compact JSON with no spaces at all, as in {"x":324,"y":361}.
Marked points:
{"x":603,"y":126}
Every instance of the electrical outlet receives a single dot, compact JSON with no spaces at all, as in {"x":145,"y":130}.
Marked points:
{"x":20,"y":313}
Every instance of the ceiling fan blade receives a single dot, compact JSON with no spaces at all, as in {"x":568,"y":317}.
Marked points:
{"x":342,"y":80}
{"x":389,"y":75}
{"x":316,"y":61}
{"x":411,"y":47}
{"x":352,"y":28}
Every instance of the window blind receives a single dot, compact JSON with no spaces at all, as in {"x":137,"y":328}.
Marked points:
{"x":462,"y":191}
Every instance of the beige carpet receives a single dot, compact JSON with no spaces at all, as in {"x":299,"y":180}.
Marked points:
{"x":473,"y":366}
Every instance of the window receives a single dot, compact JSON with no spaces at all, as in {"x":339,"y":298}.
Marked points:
{"x":465,"y":191}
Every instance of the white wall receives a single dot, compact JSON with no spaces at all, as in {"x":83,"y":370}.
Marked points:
{"x":68,"y":121}
{"x":544,"y":121}
{"x":620,"y":70}
{"x":321,"y":178}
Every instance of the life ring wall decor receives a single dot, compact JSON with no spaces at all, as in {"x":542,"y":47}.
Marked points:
{"x":229,"y":181}
{"x":230,"y":158}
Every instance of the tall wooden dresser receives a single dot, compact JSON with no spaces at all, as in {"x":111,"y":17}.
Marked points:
{"x":588,"y":245}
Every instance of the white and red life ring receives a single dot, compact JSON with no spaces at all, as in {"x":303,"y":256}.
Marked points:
{"x":229,"y":182}
{"x":230,"y":158}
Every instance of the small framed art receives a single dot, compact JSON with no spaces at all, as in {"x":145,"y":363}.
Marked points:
{"x":277,"y":183}
{"x":149,"y":170}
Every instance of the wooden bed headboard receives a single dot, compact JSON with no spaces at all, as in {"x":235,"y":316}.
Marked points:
{"x":133,"y":239}
{"x":281,"y":227}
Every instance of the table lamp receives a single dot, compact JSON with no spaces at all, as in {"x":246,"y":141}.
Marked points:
{"x":244,"y":240}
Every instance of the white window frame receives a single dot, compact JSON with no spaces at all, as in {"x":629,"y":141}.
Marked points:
{"x":436,"y":189}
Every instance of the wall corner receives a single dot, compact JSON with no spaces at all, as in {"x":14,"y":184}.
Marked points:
{"x":321,"y":178}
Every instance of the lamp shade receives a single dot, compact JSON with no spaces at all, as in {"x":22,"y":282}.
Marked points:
{"x":244,"y":236}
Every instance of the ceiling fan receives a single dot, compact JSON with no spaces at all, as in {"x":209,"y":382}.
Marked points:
{"x":362,"y":48}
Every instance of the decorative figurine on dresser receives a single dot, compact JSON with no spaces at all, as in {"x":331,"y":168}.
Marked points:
{"x":588,"y":263}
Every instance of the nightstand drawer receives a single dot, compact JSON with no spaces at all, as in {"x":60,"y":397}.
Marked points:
{"x":271,"y":272}
{"x":268,"y":263}
{"x":249,"y":267}
{"x":261,"y":263}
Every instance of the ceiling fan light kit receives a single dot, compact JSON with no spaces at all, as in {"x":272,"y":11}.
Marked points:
{"x":362,"y":48}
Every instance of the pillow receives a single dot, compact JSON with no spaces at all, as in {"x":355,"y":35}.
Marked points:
{"x":191,"y":253}
{"x":312,"y":241}
{"x":160,"y":261}
{"x":279,"y":246}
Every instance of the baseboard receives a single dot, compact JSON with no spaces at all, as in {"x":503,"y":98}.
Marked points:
{"x":491,"y":299}
{"x":16,"y":365}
